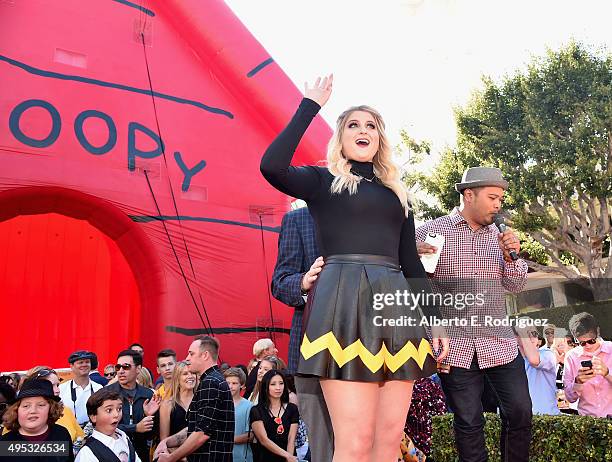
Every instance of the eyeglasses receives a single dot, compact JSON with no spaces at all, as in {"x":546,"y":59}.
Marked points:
{"x":591,"y":341}
{"x":109,"y":374}
{"x":125,"y":367}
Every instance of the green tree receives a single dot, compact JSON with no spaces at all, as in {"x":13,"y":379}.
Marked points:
{"x":549,"y":129}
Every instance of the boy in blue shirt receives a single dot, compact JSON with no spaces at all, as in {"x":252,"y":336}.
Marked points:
{"x":243,"y":435}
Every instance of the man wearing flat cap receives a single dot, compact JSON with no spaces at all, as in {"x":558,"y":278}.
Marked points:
{"x":76,"y":392}
{"x":476,"y":258}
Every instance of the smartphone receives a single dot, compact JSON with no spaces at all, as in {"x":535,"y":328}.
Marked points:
{"x":430,"y":261}
{"x":587,"y":363}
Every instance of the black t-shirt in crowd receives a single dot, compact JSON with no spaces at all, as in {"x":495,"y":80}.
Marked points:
{"x":288,"y":417}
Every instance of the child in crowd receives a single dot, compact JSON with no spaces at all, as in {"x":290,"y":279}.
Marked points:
{"x":236,"y":379}
{"x":107,"y":442}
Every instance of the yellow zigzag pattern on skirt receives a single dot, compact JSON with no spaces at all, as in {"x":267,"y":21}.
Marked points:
{"x":373,"y":361}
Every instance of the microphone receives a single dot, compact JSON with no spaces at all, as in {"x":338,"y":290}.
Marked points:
{"x":499,"y":222}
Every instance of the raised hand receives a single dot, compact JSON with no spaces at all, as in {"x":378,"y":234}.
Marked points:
{"x":151,"y":406}
{"x":320,"y":91}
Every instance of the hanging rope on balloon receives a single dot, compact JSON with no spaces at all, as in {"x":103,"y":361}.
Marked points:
{"x":163,"y":150}
{"x":209,"y":327}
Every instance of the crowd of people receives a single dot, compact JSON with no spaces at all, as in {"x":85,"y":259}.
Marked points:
{"x":354,"y":388}
{"x":251,"y":412}
{"x":127,"y":412}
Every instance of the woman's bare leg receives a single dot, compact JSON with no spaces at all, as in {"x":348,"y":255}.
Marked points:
{"x":391,"y":411}
{"x":353,"y":409}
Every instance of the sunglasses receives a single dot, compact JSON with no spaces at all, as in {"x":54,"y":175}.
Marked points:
{"x":125,"y":367}
{"x":591,"y":341}
{"x":109,"y":374}
{"x":44,"y":373}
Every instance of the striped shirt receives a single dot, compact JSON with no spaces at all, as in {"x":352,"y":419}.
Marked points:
{"x":472,"y":262}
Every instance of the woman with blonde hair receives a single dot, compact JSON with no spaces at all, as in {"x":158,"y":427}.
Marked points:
{"x":173,"y":409}
{"x":366,"y":234}
{"x":144,"y":378}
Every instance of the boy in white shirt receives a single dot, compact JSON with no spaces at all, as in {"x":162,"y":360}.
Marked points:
{"x":107,"y":442}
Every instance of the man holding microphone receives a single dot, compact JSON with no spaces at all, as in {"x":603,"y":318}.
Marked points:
{"x":478,"y":255}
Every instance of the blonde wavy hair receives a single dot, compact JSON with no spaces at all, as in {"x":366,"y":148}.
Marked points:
{"x":144,"y":378}
{"x":384,"y":167}
{"x":174,"y":395}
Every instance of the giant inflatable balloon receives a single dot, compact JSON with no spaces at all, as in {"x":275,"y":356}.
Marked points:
{"x":131,"y":203}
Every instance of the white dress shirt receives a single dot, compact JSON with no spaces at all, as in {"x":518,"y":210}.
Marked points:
{"x":81,"y":395}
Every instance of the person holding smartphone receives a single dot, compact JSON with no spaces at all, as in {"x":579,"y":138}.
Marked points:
{"x":587,"y":367}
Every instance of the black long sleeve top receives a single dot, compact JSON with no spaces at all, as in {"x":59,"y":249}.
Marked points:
{"x":372,"y":221}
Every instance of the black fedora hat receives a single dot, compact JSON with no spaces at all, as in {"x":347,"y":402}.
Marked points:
{"x":37,"y":387}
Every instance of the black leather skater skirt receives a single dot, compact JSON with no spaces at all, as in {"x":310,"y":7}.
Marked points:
{"x":346,"y":338}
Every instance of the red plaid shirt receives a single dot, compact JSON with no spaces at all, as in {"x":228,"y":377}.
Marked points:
{"x":472,"y":261}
